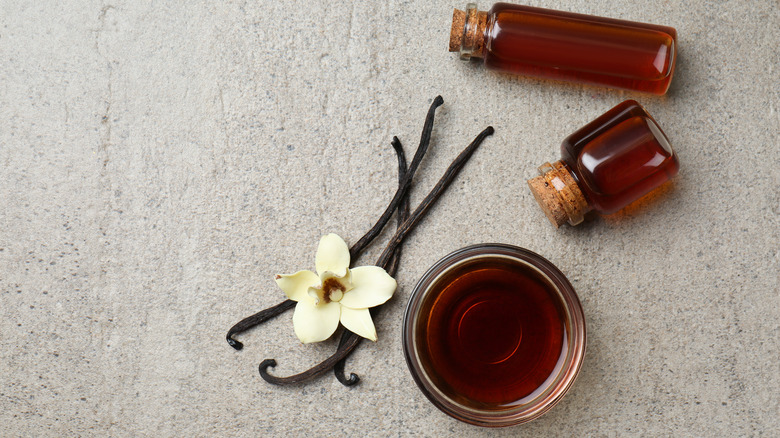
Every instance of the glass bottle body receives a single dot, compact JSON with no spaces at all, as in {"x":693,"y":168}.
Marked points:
{"x":619,"y":157}
{"x":576,"y":47}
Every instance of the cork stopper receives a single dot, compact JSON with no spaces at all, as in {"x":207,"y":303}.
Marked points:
{"x":456,"y":32}
{"x":558,"y":194}
{"x":467,"y":34}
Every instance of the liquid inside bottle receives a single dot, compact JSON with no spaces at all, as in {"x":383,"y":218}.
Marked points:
{"x":568,"y":46}
{"x":619,"y":157}
{"x":605,"y":165}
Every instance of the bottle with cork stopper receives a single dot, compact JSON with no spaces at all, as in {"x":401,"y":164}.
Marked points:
{"x":605,"y":165}
{"x":566,"y":46}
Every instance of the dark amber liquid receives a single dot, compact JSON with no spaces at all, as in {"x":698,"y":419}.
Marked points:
{"x":493,"y":335}
{"x":581,"y":48}
{"x":619,"y":157}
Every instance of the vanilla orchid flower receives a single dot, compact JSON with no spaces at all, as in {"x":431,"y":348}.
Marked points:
{"x":335,"y":293}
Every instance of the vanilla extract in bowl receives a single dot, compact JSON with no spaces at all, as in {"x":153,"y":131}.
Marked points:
{"x":494,"y":335}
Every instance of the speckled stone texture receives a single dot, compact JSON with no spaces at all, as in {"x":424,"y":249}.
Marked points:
{"x":160,"y":162}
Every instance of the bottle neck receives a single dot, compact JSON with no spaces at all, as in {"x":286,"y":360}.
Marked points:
{"x":558,"y":194}
{"x":467,"y":35}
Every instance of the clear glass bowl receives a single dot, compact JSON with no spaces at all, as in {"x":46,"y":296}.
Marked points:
{"x":545,"y":396}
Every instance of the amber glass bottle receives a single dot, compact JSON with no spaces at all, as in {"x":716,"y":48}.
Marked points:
{"x":605,"y":165}
{"x":567,"y":46}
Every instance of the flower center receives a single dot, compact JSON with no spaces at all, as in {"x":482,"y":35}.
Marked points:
{"x":332,"y":290}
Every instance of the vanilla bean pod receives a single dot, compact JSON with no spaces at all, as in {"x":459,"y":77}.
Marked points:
{"x":403,"y":188}
{"x":383,"y":262}
{"x":403,"y":214}
{"x":356,"y":249}
{"x":429,"y":200}
{"x":315,"y":371}
{"x":403,"y":208}
{"x":255,"y":320}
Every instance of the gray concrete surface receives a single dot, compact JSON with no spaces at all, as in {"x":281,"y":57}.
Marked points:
{"x":161,"y":161}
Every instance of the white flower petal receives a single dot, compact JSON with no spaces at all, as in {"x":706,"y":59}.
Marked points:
{"x":359,"y":322}
{"x":332,"y":255}
{"x":371,"y":286}
{"x":315,"y":323}
{"x":296,"y":285}
{"x":316,"y":294}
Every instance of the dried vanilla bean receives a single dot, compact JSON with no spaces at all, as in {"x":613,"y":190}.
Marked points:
{"x":406,"y":181}
{"x":429,"y":200}
{"x":255,"y":320}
